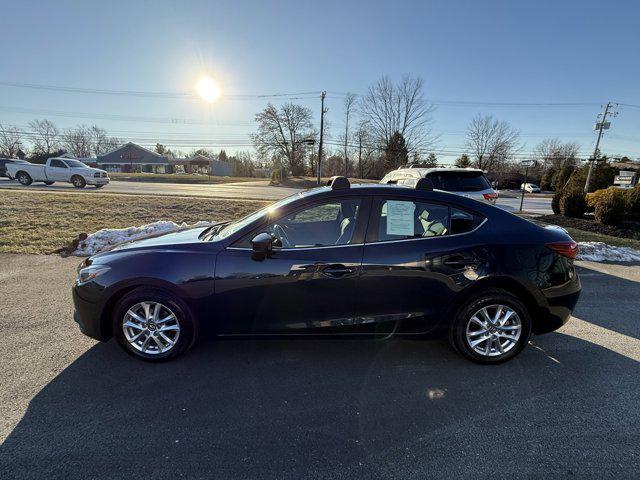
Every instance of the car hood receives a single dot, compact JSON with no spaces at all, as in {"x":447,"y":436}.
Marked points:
{"x":181,"y":237}
{"x":89,"y":170}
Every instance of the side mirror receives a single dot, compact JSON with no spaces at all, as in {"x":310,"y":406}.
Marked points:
{"x":262,"y":246}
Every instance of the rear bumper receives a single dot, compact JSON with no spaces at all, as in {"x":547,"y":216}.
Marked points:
{"x":560,"y":304}
{"x":88,"y":316}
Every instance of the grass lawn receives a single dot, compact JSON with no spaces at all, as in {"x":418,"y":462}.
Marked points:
{"x":174,"y":178}
{"x":41,"y":222}
{"x":311,"y":182}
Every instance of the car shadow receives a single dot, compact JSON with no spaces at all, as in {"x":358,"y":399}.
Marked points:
{"x":609,"y":301}
{"x":327,"y":408}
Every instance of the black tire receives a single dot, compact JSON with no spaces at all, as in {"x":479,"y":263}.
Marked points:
{"x":188,"y":325}
{"x":49,"y":183}
{"x":24,"y":178}
{"x":487,"y":298}
{"x":78,"y":181}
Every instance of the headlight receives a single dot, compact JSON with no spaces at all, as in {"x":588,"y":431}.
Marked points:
{"x":86,"y":274}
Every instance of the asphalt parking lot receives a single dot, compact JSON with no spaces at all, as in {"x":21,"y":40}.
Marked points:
{"x":293,"y":409}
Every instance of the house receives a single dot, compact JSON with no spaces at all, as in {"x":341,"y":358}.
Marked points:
{"x":205,"y":165}
{"x":133,"y":158}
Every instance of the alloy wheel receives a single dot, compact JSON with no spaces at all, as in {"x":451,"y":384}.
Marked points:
{"x":151,"y":328}
{"x":493,"y":330}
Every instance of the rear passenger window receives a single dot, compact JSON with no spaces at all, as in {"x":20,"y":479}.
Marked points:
{"x":404,"y":219}
{"x":463,"y":221}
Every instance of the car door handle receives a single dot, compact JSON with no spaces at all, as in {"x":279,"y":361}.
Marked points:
{"x":460,"y":261}
{"x":337,"y":270}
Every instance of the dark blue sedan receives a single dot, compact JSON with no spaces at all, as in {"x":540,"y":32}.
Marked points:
{"x":372,"y":260}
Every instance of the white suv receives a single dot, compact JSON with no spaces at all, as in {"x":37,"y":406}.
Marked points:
{"x":468,"y":182}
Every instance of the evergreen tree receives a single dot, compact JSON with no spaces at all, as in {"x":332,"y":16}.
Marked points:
{"x":396,"y":153}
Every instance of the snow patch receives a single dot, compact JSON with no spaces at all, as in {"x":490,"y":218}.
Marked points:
{"x":108,"y":237}
{"x":601,"y":252}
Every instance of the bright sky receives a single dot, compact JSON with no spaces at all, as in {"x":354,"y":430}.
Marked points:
{"x":466,"y":51}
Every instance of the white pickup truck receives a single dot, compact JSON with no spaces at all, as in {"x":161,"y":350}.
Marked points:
{"x":58,"y":170}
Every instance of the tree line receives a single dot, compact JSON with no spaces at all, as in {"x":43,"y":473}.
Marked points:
{"x":389,"y":126}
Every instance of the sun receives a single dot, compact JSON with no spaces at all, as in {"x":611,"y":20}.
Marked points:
{"x":208,"y":89}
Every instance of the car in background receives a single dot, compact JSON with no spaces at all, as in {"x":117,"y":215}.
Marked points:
{"x":365,"y":260}
{"x":3,"y":165}
{"x":530,"y":188}
{"x":58,"y":170}
{"x":468,"y":182}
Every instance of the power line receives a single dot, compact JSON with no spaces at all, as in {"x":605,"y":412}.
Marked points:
{"x":150,"y":94}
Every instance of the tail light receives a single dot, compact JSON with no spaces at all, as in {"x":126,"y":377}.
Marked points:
{"x":490,"y":196}
{"x":566,"y":249}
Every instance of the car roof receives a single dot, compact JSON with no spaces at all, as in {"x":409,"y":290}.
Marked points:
{"x":393,"y":189}
{"x":426,"y":171}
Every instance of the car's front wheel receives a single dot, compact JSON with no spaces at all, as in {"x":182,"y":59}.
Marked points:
{"x":78,"y":181}
{"x":492,"y":327}
{"x":153,"y":325}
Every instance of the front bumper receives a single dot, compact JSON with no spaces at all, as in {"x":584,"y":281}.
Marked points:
{"x":88,"y":316}
{"x":97,"y":181}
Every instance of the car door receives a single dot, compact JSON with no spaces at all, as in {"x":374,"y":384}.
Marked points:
{"x":308,"y":282}
{"x":412,"y":264}
{"x":57,"y":171}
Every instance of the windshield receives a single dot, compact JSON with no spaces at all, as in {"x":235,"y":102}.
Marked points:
{"x":233,"y":227}
{"x":75,"y":164}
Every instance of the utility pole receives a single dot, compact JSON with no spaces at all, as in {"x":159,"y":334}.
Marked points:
{"x":360,"y":155}
{"x":603,"y":125}
{"x":322,"y":112}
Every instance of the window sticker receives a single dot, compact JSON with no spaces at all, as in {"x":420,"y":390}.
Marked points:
{"x":400,"y":218}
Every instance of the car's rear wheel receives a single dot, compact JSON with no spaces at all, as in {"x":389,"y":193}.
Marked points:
{"x":493,"y":327}
{"x":78,"y":181}
{"x":24,"y":178}
{"x":153,"y":325}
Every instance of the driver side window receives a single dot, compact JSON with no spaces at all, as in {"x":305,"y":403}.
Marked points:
{"x":57,"y":164}
{"x":325,"y":224}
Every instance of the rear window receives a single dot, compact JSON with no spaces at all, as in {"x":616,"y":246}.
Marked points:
{"x":459,"y":181}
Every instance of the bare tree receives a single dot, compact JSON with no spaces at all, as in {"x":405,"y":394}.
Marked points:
{"x":10,"y":141}
{"x":552,"y":152}
{"x":399,"y":108}
{"x":349,"y":103}
{"x":284,"y":132}
{"x":46,"y":136}
{"x":491,"y":141}
{"x":79,"y":141}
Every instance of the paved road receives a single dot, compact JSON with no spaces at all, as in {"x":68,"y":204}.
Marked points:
{"x":258,"y":190}
{"x":335,"y":409}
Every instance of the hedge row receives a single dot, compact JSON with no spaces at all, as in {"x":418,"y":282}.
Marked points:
{"x":609,"y":206}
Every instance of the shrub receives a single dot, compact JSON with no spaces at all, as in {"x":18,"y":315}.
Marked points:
{"x":573,"y":204}
{"x":561,"y":177}
{"x":633,"y":202}
{"x":555,"y":202}
{"x":610,"y":206}
{"x":547,"y":179}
